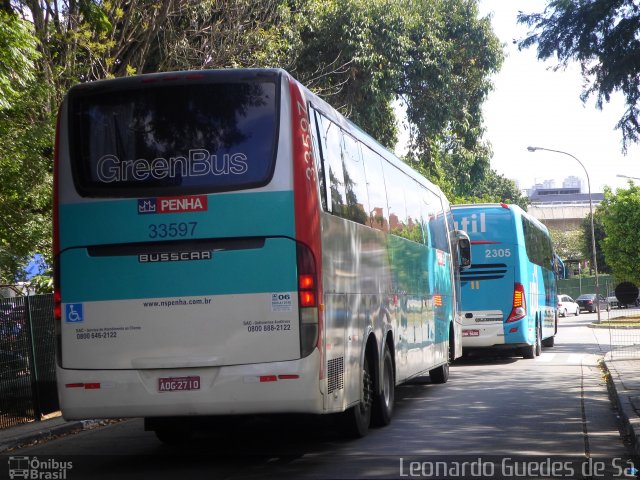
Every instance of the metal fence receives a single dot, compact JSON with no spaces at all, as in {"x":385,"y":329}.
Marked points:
{"x":623,"y":330}
{"x":27,"y":359}
{"x":622,"y":320}
{"x":576,"y":286}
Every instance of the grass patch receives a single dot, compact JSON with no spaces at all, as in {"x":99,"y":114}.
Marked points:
{"x":629,"y":321}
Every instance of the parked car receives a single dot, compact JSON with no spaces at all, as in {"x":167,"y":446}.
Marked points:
{"x":612,"y":300}
{"x":625,"y":295}
{"x":588,"y":302}
{"x":566,"y":305}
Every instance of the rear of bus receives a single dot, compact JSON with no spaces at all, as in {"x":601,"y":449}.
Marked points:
{"x":494,"y":310}
{"x":186,"y":239}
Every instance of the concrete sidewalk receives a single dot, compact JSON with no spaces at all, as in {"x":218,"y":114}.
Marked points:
{"x":624,"y":373}
{"x":52,"y":426}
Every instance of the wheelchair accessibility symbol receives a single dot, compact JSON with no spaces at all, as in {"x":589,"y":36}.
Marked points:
{"x":74,"y":313}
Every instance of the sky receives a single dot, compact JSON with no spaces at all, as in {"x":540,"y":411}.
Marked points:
{"x":531,"y":105}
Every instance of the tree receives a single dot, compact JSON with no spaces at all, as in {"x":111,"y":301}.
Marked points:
{"x":569,"y":245}
{"x":26,"y":138}
{"x":85,"y":40}
{"x":600,"y":234}
{"x":435,"y":56}
{"x":621,"y":221}
{"x":17,"y":56}
{"x":494,"y":188}
{"x":604,"y":37}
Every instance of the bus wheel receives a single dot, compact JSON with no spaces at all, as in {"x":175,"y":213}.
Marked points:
{"x":384,"y":401}
{"x":357,"y":418}
{"x":530,"y":351}
{"x":548,"y":342}
{"x":440,"y":374}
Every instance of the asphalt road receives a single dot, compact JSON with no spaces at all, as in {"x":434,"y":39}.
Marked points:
{"x":499,"y":413}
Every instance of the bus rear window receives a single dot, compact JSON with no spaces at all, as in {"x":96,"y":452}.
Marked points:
{"x":177,"y":139}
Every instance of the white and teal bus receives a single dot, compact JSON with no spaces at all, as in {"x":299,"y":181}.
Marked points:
{"x":509,"y":292}
{"x":227,"y":243}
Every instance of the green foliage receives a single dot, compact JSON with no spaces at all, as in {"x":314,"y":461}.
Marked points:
{"x":42,"y":283}
{"x":436,"y":56}
{"x":621,"y":220}
{"x":600,"y":234}
{"x":17,"y":55}
{"x":491,"y":187}
{"x":569,"y":245}
{"x":26,"y":138}
{"x":603,"y":35}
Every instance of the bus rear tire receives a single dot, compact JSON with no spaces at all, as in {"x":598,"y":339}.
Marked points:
{"x":384,"y":401}
{"x":357,"y":419}
{"x":532,"y":351}
{"x":440,"y":374}
{"x":528,"y":352}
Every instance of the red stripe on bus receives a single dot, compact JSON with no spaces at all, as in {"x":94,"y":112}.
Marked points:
{"x":305,"y":195}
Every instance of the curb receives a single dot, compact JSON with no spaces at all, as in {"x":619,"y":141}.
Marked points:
{"x":45,"y":433}
{"x":626,"y":409}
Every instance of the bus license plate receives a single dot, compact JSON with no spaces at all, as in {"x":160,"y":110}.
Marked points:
{"x":178,"y":384}
{"x":471,"y":333}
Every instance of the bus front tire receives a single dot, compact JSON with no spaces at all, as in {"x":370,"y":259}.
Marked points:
{"x":384,"y":401}
{"x":548,"y":342}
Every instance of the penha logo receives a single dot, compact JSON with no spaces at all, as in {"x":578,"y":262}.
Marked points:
{"x":191,"y":203}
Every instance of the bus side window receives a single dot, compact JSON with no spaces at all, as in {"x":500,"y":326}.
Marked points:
{"x":414,"y":213}
{"x":331,"y":142}
{"x":438,"y":233}
{"x":395,"y":199}
{"x":317,"y":155}
{"x":355,"y":183}
{"x":376,"y":189}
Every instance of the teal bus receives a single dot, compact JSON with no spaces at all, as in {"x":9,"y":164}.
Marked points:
{"x":509,"y":292}
{"x":227,"y":243}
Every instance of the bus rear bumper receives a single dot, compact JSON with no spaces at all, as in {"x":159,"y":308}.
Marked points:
{"x":278,"y":387}
{"x":482,"y":336}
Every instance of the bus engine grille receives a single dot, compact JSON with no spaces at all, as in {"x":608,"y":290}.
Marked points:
{"x":335,"y":374}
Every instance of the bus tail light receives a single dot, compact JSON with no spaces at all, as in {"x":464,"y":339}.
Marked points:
{"x":57,"y":306}
{"x":308,"y":231}
{"x":57,"y":296}
{"x":307,"y":300}
{"x":519,"y":309}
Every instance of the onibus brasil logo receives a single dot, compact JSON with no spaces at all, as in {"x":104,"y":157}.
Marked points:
{"x":37,"y":469}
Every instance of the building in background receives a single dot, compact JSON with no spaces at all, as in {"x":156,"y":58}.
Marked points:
{"x":561,"y":208}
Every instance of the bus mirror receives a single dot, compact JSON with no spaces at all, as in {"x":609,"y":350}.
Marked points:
{"x":464,"y":249}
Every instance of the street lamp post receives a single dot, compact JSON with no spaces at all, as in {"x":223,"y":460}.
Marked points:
{"x":627,"y":176}
{"x":593,"y":235}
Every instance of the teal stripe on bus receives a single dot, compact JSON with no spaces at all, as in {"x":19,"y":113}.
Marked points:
{"x":269,"y":269}
{"x":228,"y":215}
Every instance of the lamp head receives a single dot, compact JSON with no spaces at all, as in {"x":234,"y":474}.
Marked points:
{"x":532,"y":149}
